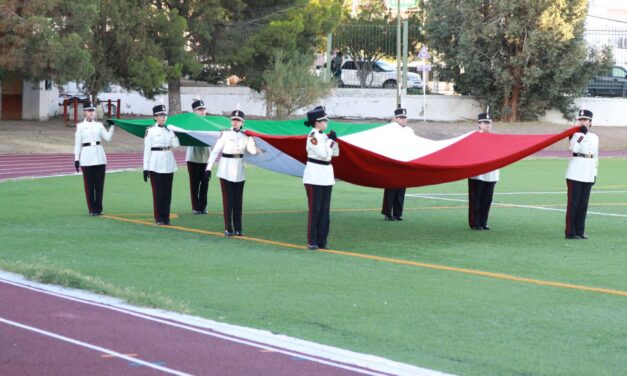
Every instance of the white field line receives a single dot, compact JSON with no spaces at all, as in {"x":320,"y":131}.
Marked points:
{"x":430,"y":197}
{"x":511,"y":193}
{"x":93,"y":347}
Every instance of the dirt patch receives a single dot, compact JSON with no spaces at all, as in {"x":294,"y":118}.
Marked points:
{"x":46,"y":137}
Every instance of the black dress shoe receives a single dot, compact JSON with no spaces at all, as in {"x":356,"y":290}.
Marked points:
{"x":323,"y":246}
{"x":486,"y":227}
{"x":196,"y":211}
{"x":312,"y":247}
{"x":203,"y":212}
{"x":583,"y":236}
{"x":478,"y":228}
{"x":388,"y":218}
{"x":228,"y":233}
{"x":239,"y":233}
{"x":160,"y":223}
{"x":398,"y":218}
{"x":573,"y":237}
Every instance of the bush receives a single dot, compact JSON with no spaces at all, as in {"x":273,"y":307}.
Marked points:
{"x":291,"y":84}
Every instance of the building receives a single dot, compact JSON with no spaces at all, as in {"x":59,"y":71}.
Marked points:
{"x":25,"y":100}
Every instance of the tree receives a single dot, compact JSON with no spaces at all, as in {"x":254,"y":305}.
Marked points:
{"x":44,"y":39}
{"x":249,"y":42}
{"x":521,"y":57}
{"x":289,"y":84}
{"x":123,"y":49}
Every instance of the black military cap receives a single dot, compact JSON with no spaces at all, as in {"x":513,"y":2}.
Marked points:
{"x":237,"y":115}
{"x":89,"y":106}
{"x":584,"y":114}
{"x":317,"y":114}
{"x":400,"y":112}
{"x":484,"y":118}
{"x":159,"y":110}
{"x":198,"y":104}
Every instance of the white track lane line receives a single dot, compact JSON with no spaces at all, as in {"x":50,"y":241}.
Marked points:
{"x":93,"y":347}
{"x":516,"y":206}
{"x":261,"y":341}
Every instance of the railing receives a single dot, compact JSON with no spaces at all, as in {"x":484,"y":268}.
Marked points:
{"x":112,"y":107}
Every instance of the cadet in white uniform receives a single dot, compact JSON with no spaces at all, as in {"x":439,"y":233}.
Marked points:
{"x":90,"y":156}
{"x":394,"y":198}
{"x":581,"y":175}
{"x":230,"y":147}
{"x":159,"y":164}
{"x":481,"y":187}
{"x":196,"y":158}
{"x":318,"y":177}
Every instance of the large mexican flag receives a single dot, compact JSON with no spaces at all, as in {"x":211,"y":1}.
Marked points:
{"x":372,"y":155}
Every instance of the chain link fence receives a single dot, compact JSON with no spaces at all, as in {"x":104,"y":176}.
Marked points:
{"x":614,"y":82}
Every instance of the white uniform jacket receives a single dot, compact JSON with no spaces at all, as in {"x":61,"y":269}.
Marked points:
{"x":92,"y":133}
{"x":233,"y":145}
{"x":160,"y":161}
{"x":320,"y":148}
{"x":585,"y":165}
{"x":197,"y":154}
{"x":491,"y":176}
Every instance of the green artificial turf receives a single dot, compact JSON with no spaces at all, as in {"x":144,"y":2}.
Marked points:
{"x":450,"y":320}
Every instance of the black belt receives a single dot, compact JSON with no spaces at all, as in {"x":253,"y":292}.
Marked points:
{"x":583,"y":155}
{"x":89,"y":143}
{"x":236,"y":156}
{"x":317,"y":161}
{"x":160,"y":149}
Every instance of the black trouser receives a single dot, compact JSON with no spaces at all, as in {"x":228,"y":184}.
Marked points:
{"x":479,"y":201}
{"x":161,"y":195}
{"x":393,"y":200}
{"x":94,"y":178}
{"x":577,"y":207}
{"x":319,"y":199}
{"x":198,"y":185}
{"x":232,"y":203}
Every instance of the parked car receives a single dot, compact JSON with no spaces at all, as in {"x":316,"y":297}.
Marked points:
{"x":383,"y":75}
{"x":613,"y":84}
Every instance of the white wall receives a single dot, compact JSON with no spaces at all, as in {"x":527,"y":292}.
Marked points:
{"x":360,"y":104}
{"x":37,"y":102}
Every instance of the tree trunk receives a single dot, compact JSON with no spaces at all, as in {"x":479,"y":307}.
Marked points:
{"x":515,"y":97}
{"x":174,"y":96}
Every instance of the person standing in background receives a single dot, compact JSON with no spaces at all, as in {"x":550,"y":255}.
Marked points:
{"x":196,"y":158}
{"x":394,"y":198}
{"x":581,"y":175}
{"x":90,"y":157}
{"x":159,"y":164}
{"x":481,"y":187}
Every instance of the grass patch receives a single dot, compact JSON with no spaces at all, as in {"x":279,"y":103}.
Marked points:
{"x":45,"y":272}
{"x":441,"y":319}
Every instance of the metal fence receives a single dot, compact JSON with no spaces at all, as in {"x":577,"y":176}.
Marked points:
{"x":361,"y":44}
{"x":613,"y":83}
{"x":365,"y":56}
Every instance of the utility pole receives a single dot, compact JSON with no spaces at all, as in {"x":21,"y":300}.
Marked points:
{"x":398,"y":54}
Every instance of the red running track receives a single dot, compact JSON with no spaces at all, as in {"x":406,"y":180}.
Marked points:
{"x":14,"y":166}
{"x":47,"y":333}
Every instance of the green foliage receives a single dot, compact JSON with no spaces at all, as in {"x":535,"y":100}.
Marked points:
{"x":290,"y":84}
{"x":124,"y":50}
{"x":249,"y":43}
{"x":42,"y":39}
{"x":521,"y":57}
